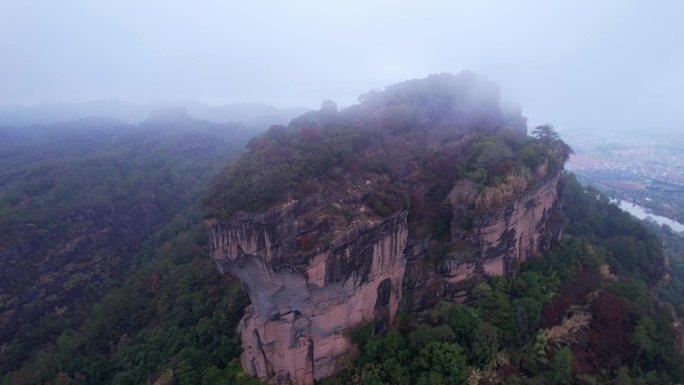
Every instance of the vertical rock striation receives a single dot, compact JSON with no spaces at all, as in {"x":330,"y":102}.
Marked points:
{"x":406,"y":199}
{"x":496,"y":245}
{"x":303,"y":304}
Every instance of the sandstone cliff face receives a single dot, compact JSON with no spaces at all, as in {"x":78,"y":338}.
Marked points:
{"x":406,"y":199}
{"x":303,"y":302}
{"x":496,"y":245}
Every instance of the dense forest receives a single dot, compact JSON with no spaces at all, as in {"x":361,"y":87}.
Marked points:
{"x":85,"y":204}
{"x":451,"y":124}
{"x":107,"y":279}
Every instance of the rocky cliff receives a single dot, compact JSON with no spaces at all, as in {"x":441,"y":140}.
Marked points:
{"x":342,"y":218}
{"x":301,"y":308}
{"x":496,"y":245}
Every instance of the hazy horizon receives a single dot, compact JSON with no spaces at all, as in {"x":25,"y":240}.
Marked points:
{"x":579,"y":65}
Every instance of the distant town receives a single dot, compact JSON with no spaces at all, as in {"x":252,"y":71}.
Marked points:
{"x":643,"y":170}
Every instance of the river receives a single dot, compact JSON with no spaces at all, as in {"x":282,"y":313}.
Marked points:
{"x":641,"y":213}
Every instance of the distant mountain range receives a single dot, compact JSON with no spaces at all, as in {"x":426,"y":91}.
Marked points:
{"x":252,"y":114}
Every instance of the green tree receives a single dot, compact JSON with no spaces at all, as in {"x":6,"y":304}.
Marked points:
{"x":440,"y":363}
{"x":485,"y":343}
{"x":560,"y":368}
{"x":643,"y":336}
{"x":546,"y":134}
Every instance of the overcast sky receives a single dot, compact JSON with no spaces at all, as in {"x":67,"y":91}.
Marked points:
{"x":577,"y":64}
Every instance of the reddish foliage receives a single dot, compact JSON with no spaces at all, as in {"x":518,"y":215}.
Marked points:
{"x":259,"y":144}
{"x":607,"y":344}
{"x":25,"y":200}
{"x":585,"y":282}
{"x":507,"y":371}
{"x":555,"y":311}
{"x":153,"y":283}
{"x":23,"y":378}
{"x":417,"y":205}
{"x":307,"y":187}
{"x":281,"y":153}
{"x":63,"y":377}
{"x":305,"y":242}
{"x":574,"y":293}
{"x":503,"y":167}
{"x":461,"y":243}
{"x":308,"y":133}
{"x":439,"y":165}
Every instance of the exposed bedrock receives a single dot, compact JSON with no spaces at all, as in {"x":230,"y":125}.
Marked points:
{"x":496,"y":245}
{"x":302,"y":303}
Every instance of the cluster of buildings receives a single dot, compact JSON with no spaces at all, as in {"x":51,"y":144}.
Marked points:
{"x":639,"y":170}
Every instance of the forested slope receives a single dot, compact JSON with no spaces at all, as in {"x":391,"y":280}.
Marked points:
{"x":82,"y":202}
{"x":106,"y":277}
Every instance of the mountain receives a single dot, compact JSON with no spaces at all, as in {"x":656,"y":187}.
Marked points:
{"x":419,"y":237}
{"x":413,"y":196}
{"x":252,"y":114}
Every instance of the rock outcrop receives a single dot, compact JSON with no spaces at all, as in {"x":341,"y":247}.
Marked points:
{"x":496,"y":245}
{"x":409,"y":198}
{"x":302,"y":307}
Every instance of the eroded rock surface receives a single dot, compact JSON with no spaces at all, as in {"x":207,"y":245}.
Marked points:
{"x":302,"y":303}
{"x":301,"y":307}
{"x":496,"y":245}
{"x":409,"y":198}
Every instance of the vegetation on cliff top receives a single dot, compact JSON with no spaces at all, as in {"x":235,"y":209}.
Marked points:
{"x":425,"y":136}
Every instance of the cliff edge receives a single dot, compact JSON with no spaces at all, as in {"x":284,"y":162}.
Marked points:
{"x":410,"y":197}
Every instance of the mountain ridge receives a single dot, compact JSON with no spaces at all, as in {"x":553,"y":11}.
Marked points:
{"x":415,"y":195}
{"x":258,"y":114}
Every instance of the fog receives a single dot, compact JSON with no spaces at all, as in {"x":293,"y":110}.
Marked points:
{"x":581,"y":65}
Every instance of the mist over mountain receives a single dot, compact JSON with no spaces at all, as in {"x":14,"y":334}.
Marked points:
{"x":420,"y":236}
{"x":176,"y":209}
{"x":252,"y":114}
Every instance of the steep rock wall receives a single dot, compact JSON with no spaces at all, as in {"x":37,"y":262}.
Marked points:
{"x":302,"y":304}
{"x":519,"y":231}
{"x":496,"y":245}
